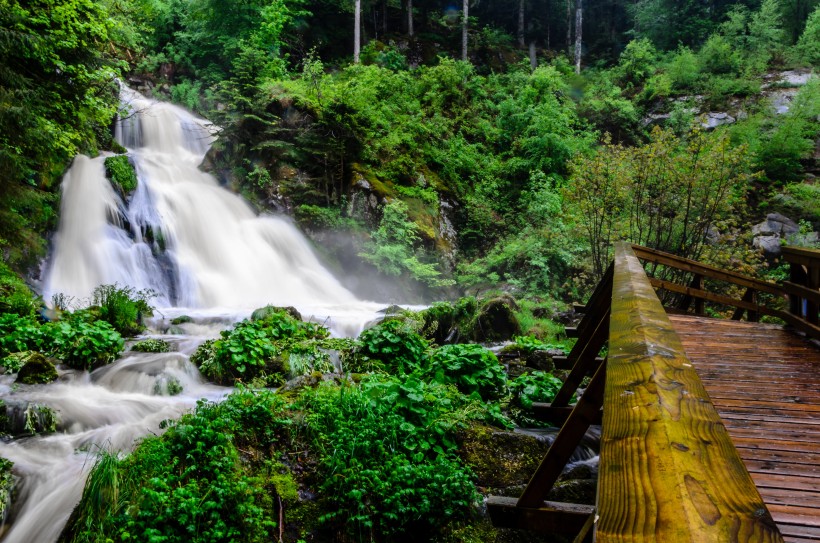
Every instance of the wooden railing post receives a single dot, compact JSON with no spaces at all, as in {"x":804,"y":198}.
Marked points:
{"x":804,"y":274}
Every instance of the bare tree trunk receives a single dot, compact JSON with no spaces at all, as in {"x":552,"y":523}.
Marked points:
{"x":521,"y":42}
{"x":569,"y":26}
{"x":357,"y":31}
{"x":410,"y":18}
{"x":384,"y":17}
{"x":547,"y":24}
{"x":578,"y":36}
{"x":533,"y":58}
{"x":466,"y":14}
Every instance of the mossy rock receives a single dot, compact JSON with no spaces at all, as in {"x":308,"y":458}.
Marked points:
{"x":36,"y":370}
{"x":500,"y":458}
{"x":264,"y":312}
{"x":580,"y":491}
{"x":151,"y":346}
{"x":182,"y":319}
{"x":496,"y":320}
{"x":21,"y":418}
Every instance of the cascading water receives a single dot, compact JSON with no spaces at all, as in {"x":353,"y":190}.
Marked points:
{"x":203,"y":251}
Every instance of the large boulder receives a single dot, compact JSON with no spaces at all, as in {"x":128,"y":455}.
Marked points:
{"x":496,"y":320}
{"x":769,"y":234}
{"x":36,"y":370}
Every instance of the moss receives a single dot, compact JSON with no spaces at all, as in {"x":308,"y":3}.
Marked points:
{"x":264,"y":312}
{"x":36,"y":370}
{"x":182,"y":319}
{"x":15,"y":296}
{"x":496,"y":320}
{"x":121,"y":173}
{"x":40,"y":419}
{"x":500,"y":459}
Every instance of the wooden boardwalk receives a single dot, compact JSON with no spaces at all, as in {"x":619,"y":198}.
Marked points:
{"x":765,"y":383}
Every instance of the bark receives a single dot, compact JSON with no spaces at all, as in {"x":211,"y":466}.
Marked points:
{"x":569,"y":26}
{"x":410,"y":18}
{"x":466,"y":14}
{"x":521,"y":42}
{"x":578,"y":36}
{"x":533,"y":58}
{"x":357,"y":31}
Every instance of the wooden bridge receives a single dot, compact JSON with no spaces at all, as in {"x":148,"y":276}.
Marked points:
{"x":710,"y":428}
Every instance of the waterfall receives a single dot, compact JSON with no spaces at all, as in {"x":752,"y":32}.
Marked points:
{"x":196,"y":244}
{"x":204,"y":252}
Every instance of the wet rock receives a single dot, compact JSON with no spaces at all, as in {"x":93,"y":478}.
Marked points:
{"x":264,"y":312}
{"x":542,"y":360}
{"x":36,"y":370}
{"x":392,"y":310}
{"x":580,"y":491}
{"x":20,"y":418}
{"x":496,"y":320}
{"x":769,"y":233}
{"x":6,"y":486}
{"x":182,"y":319}
{"x":713,"y":119}
{"x":500,"y":459}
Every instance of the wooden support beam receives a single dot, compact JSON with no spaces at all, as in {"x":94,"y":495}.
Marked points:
{"x":668,"y":470}
{"x":556,"y":415}
{"x":571,"y":331}
{"x":547,"y":518}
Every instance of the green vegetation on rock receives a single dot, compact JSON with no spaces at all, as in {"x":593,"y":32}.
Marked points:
{"x":121,"y":173}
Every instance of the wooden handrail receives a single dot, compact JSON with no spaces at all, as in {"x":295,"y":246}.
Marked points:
{"x":804,"y":284}
{"x":668,"y":469}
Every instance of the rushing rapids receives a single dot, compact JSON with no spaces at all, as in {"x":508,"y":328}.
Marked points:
{"x":203,"y":251}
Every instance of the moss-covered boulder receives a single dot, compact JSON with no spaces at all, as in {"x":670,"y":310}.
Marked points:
{"x":500,"y":459}
{"x":182,"y":319}
{"x":121,"y":173}
{"x":20,"y":418}
{"x":264,"y":312}
{"x":37,"y":369}
{"x":496,"y":320}
{"x":151,"y":346}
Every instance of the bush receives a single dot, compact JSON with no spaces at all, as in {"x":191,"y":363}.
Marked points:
{"x":807,"y":49}
{"x":537,"y":386}
{"x":151,"y":346}
{"x":386,"y":468}
{"x":188,"y":484}
{"x":19,"y":334}
{"x":82,"y":345}
{"x":121,"y":173}
{"x":15,"y":296}
{"x":123,"y":307}
{"x":391,"y":346}
{"x":471,"y":368}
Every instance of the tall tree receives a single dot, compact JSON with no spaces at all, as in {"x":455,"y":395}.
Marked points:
{"x":465,"y":12}
{"x":521,"y":38}
{"x":578,"y":35}
{"x":410,"y":18}
{"x":569,"y":26}
{"x":357,"y":31}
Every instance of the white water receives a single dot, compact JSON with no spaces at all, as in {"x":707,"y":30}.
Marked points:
{"x":218,"y":263}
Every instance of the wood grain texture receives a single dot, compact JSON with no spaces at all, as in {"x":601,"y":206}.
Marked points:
{"x":668,"y":471}
{"x":765,"y":384}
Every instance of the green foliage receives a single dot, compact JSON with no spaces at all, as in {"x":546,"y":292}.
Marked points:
{"x":391,"y":346}
{"x":636,"y":63}
{"x":529,"y":344}
{"x":15,"y":296}
{"x":81,"y":344}
{"x":537,"y":386}
{"x":471,"y":368}
{"x":387,"y":456}
{"x":393,"y":250}
{"x":18,"y":334}
{"x":188,"y":484}
{"x":123,"y":307}
{"x":151,"y":346}
{"x":6,"y":485}
{"x":807,"y":49}
{"x":121,"y":173}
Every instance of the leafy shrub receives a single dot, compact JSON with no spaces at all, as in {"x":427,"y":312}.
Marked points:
{"x":529,"y":344}
{"x":807,"y":49}
{"x":15,"y":296}
{"x":188,"y":484}
{"x":390,"y":346}
{"x":82,"y":345}
{"x":19,"y":334}
{"x":121,"y":173}
{"x":384,"y":470}
{"x":123,"y":307}
{"x":151,"y":346}
{"x":718,"y":56}
{"x":537,"y":386}
{"x":471,"y":368}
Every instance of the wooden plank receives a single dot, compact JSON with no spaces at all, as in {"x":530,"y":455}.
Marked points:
{"x":786,"y":482}
{"x":711,"y":297}
{"x":548,"y":518}
{"x":801,"y":255}
{"x":668,"y":470}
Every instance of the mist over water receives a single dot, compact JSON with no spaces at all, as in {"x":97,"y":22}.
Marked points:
{"x":204,"y":252}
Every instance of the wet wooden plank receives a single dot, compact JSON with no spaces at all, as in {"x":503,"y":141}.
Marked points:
{"x":668,"y":470}
{"x":765,"y":383}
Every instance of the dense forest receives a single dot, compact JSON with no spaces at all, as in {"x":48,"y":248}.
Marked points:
{"x":486,"y":153}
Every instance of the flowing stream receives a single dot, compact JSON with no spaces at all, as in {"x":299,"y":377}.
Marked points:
{"x":204,"y":252}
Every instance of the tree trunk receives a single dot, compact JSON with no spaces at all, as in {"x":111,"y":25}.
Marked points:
{"x":410,"y":18}
{"x":578,"y":36}
{"x":521,"y":42}
{"x":357,"y":31}
{"x":569,"y":26}
{"x":466,"y":14}
{"x":533,"y":58}
{"x":547,"y":24}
